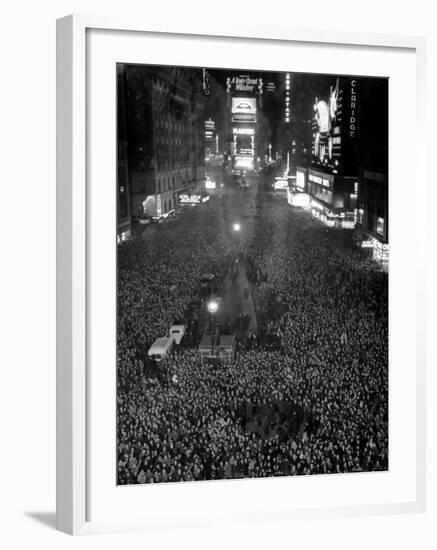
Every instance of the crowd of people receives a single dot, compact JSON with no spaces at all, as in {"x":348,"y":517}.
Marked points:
{"x":318,"y":404}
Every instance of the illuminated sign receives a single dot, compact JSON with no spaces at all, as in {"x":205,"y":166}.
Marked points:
{"x":189,"y":199}
{"x":158,"y":205}
{"x":353,"y":106}
{"x":210,"y":184}
{"x":205,"y":83}
{"x":316,"y":206}
{"x":380,"y":226}
{"x":209,"y":124}
{"x":281,"y":183}
{"x":287,"y":111}
{"x":326,"y":126}
{"x":242,"y":117}
{"x":243,"y":131}
{"x":302,"y":200}
{"x":325,"y":180}
{"x":243,"y":109}
{"x":244,"y":141}
{"x":244,"y":162}
{"x":244,"y":83}
{"x":300,"y":180}
{"x":244,"y":145}
{"x":322,"y":116}
{"x":315,"y":179}
{"x":246,"y":105}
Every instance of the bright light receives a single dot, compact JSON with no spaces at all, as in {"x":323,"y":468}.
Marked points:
{"x":212,"y":306}
{"x":237,"y":227}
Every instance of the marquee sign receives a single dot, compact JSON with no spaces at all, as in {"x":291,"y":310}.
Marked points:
{"x":244,"y":83}
{"x":245,"y":105}
{"x":243,"y":131}
{"x":205,"y":84}
{"x":243,"y":109}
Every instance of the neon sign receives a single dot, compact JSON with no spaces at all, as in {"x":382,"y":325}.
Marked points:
{"x":244,"y":131}
{"x":206,"y":86}
{"x":353,"y":104}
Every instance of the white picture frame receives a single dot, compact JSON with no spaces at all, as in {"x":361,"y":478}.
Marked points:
{"x":72,"y":262}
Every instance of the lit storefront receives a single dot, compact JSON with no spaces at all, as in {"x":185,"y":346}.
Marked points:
{"x":333,"y":199}
{"x":187,"y":198}
{"x":301,"y":179}
{"x":371,"y":232}
{"x":298,"y":199}
{"x":123,"y":236}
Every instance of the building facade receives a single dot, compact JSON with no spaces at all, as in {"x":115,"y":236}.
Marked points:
{"x":244,"y":96}
{"x":123,"y":187}
{"x":164,"y":111}
{"x":372,"y":220}
{"x":332,"y":179}
{"x":371,"y":231}
{"x":211,"y":138}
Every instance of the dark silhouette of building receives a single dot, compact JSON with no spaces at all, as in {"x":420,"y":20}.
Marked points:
{"x":163,"y":109}
{"x":373,"y":214}
{"x":123,"y":188}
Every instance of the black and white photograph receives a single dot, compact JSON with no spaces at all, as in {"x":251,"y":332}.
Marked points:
{"x":252,"y":274}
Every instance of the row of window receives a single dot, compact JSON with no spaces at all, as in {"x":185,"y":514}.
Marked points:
{"x":368,"y":219}
{"x":165,"y":162}
{"x":166,"y":183}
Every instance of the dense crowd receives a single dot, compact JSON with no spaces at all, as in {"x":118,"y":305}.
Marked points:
{"x":319,"y":404}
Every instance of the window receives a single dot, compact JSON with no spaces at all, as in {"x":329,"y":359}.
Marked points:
{"x":380,"y":226}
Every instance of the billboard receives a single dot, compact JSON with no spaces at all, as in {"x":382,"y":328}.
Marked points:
{"x":245,"y":163}
{"x":243,"y":109}
{"x":244,"y":105}
{"x":335,"y":125}
{"x":280,"y":183}
{"x":244,"y":142}
{"x":244,"y":83}
{"x":300,"y":180}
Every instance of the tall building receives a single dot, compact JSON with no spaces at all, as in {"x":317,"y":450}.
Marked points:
{"x":123,"y":188}
{"x":244,"y":99}
{"x":332,"y":178}
{"x":371,"y":231}
{"x":211,"y":138}
{"x":164,"y":112}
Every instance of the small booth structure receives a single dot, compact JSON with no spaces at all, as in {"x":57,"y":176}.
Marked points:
{"x":219,"y":347}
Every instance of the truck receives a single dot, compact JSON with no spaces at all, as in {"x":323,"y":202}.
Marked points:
{"x":177,"y":333}
{"x":160,"y":348}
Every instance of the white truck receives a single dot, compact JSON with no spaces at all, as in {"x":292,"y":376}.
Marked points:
{"x":160,"y":348}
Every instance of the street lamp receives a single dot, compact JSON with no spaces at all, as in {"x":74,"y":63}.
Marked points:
{"x":212,"y":307}
{"x":236,"y":227}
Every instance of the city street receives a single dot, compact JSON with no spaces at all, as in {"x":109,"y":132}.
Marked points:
{"x":252,"y":283}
